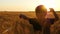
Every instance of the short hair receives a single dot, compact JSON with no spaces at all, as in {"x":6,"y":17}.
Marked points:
{"x":40,"y":8}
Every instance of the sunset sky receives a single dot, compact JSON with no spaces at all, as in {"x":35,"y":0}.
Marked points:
{"x":27,"y":5}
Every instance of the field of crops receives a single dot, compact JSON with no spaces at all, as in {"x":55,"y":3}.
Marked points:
{"x":10,"y":23}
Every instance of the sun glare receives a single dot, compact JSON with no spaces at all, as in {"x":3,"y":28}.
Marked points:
{"x":49,"y":4}
{"x":47,"y":8}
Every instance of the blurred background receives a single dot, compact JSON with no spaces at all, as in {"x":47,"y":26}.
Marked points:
{"x":27,"y":5}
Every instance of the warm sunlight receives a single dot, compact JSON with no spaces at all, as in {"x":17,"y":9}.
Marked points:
{"x":28,"y":5}
{"x":49,"y":4}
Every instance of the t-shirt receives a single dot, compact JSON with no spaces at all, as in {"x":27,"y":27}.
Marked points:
{"x":35,"y":24}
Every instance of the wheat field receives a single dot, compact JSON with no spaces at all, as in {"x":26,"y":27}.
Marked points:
{"x":8,"y":21}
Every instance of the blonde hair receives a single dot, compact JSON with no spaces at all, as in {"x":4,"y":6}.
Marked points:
{"x":40,"y":13}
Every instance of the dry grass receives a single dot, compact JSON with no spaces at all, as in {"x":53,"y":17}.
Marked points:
{"x":8,"y":21}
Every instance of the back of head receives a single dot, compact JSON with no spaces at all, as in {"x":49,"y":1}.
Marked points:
{"x":41,"y":11}
{"x":40,"y":8}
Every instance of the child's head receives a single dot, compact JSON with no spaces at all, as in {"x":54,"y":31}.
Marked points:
{"x":41,"y":11}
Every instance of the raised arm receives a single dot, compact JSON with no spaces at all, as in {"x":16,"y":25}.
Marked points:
{"x":54,"y":13}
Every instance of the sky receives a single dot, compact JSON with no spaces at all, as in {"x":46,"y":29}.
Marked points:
{"x":27,"y":5}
